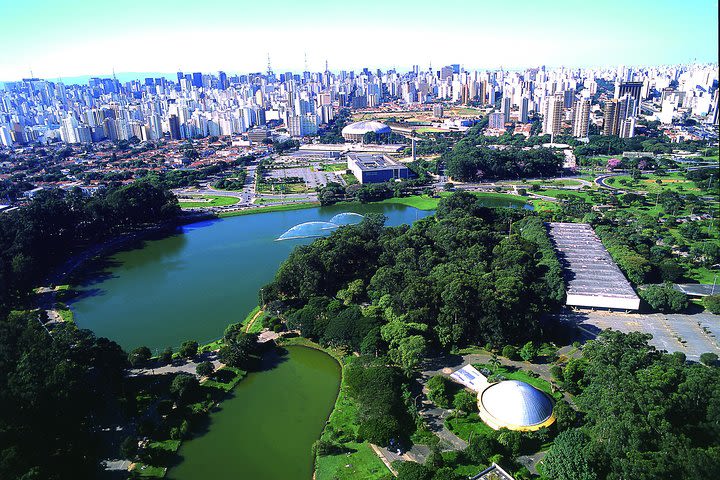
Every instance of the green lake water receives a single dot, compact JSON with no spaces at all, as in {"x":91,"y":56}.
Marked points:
{"x":266,"y":430}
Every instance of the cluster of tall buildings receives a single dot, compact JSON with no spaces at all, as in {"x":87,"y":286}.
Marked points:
{"x":199,"y":104}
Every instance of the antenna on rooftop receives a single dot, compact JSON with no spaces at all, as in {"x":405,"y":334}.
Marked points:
{"x":306,"y":63}
{"x":269,"y":70}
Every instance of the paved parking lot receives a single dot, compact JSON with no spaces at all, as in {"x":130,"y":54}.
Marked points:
{"x":691,"y":334}
{"x":313,"y":177}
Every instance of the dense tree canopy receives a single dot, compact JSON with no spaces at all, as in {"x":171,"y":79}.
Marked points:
{"x":55,"y":382}
{"x":452,"y":279}
{"x":646,"y":415}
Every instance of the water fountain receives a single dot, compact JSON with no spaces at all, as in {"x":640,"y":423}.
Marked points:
{"x":321,"y":229}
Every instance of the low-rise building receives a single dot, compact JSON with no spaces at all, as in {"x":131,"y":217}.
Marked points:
{"x":375,"y":168}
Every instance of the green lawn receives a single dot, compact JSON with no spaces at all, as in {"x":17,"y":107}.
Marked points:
{"x":421,"y":202}
{"x":147,"y":471}
{"x":65,"y":313}
{"x":674,"y":182}
{"x":349,"y":178}
{"x":167,"y":445}
{"x":554,"y":192}
{"x":257,"y":326}
{"x":272,"y":208}
{"x":214,"y":201}
{"x":333,"y":167}
{"x":225,"y":385}
{"x":278,"y":188}
{"x":468,"y":425}
{"x":360,"y":462}
{"x":522,"y":376}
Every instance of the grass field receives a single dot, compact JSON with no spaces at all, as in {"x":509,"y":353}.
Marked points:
{"x":272,"y":208}
{"x":147,"y":471}
{"x":421,"y":202}
{"x":333,"y":167}
{"x":214,"y":201}
{"x":166,"y":445}
{"x":554,"y":192}
{"x":288,"y":188}
{"x":65,"y":313}
{"x":257,"y":325}
{"x":675,"y":182}
{"x":522,"y":376}
{"x":349,"y":178}
{"x":425,"y":202}
{"x":468,"y":425}
{"x":360,"y":462}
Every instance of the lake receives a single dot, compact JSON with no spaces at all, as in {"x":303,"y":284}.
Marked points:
{"x":190,"y":285}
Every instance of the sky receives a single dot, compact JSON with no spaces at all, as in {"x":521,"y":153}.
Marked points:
{"x":65,"y":38}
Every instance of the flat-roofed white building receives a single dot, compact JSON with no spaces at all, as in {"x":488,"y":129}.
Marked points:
{"x":592,"y":278}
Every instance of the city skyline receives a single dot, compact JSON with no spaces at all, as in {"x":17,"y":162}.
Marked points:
{"x":57,"y":41}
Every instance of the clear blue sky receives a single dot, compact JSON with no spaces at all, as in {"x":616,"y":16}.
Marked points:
{"x":76,"y":37}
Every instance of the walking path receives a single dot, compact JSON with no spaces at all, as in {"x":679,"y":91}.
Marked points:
{"x":252,"y":320}
{"x":188,"y":366}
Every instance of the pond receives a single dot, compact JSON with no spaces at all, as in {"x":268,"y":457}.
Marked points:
{"x":266,"y":430}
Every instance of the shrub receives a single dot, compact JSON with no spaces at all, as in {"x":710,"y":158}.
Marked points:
{"x":510,"y":352}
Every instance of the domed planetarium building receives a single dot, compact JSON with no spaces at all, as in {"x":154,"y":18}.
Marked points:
{"x":515,"y":405}
{"x":356,"y":131}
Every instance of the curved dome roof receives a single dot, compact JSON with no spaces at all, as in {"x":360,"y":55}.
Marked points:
{"x":512,"y":403}
{"x":361,"y":128}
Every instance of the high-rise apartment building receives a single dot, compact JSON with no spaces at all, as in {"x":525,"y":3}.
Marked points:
{"x":581,"y":120}
{"x":552,"y":123}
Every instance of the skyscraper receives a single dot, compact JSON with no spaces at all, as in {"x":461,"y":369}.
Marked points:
{"x":581,"y":122}
{"x":552,"y":123}
{"x":524,"y":107}
{"x":505,"y":109}
{"x":615,"y":112}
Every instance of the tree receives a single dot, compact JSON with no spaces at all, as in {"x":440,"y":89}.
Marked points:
{"x":664,"y":298}
{"x":712,"y":303}
{"x":494,"y":362}
{"x":411,"y":352}
{"x":566,"y":459}
{"x":528,"y":352}
{"x":439,"y":391}
{"x":565,"y":415}
{"x":205,"y":369}
{"x":465,"y":401}
{"x":708,"y":358}
{"x":129,"y":447}
{"x":413,"y":471}
{"x":184,"y":387}
{"x":188,"y":349}
{"x":166,"y":356}
{"x":139,"y":356}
